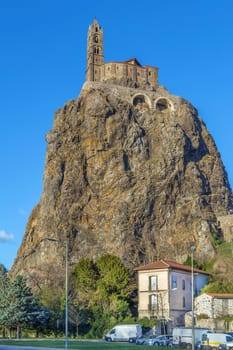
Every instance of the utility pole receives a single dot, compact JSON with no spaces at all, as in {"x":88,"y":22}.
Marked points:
{"x":192,"y":279}
{"x":66,"y":243}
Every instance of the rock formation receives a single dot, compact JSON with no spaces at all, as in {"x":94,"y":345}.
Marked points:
{"x":131,"y":170}
{"x":128,"y":172}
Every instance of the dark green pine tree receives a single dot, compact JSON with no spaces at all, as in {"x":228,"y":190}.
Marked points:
{"x":23,"y":308}
{"x":4,"y":290}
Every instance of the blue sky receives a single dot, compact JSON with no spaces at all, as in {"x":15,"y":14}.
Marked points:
{"x":42,"y":66}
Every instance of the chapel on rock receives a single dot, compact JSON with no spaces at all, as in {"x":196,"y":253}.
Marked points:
{"x":127,"y":73}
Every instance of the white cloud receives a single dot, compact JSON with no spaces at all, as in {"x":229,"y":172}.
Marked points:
{"x":4,"y":236}
{"x":22,"y":212}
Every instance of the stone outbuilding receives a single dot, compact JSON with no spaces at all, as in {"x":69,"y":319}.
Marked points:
{"x":214,"y":305}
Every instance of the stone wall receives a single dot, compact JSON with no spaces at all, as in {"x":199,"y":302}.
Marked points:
{"x":159,"y":100}
{"x":145,"y":77}
{"x":217,"y":325}
{"x":213,"y":307}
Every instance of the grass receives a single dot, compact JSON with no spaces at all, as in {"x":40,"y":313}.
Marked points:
{"x":76,"y":344}
{"x":225,"y":249}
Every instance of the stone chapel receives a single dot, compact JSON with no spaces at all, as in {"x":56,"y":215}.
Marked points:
{"x":127,"y":73}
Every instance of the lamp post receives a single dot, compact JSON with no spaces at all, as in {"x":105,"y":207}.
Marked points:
{"x":66,"y":287}
{"x":192,"y":283}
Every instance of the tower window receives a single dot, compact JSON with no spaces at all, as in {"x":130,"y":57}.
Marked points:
{"x":96,"y":39}
{"x":96,"y":29}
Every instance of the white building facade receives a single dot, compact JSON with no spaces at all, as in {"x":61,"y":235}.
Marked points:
{"x":165,"y":291}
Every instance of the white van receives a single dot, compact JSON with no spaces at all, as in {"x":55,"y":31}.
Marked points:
{"x":124,"y":332}
{"x":182,"y":336}
{"x":216,"y":340}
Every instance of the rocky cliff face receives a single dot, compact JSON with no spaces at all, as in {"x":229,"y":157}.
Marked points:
{"x":128,"y":172}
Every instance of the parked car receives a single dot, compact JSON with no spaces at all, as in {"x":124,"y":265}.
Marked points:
{"x":124,"y":332}
{"x":141,"y":340}
{"x":154,"y":340}
{"x":166,"y":338}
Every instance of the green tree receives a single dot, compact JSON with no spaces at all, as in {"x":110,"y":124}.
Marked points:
{"x":4,"y":290}
{"x":188,"y":262}
{"x":84,"y":278}
{"x":114,"y":277}
{"x":102,"y":296}
{"x":53,"y":299}
{"x":22,"y":308}
{"x":110,"y":303}
{"x":218,"y":287}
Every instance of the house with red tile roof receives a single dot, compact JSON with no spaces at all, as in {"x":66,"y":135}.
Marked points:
{"x":165,"y":291}
{"x":214,"y":305}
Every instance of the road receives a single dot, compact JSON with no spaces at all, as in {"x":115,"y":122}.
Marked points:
{"x":15,"y":347}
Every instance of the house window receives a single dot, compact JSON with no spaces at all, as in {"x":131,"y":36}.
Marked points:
{"x":183,"y":284}
{"x":153,"y":302}
{"x":183,"y":301}
{"x":153,"y":283}
{"x":174,"y":282}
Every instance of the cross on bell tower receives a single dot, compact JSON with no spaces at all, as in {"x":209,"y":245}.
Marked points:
{"x":95,"y":52}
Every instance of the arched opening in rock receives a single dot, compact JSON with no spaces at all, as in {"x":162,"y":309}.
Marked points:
{"x":162,"y":105}
{"x":141,"y":100}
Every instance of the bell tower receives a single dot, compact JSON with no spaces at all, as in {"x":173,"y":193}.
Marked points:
{"x":95,"y":52}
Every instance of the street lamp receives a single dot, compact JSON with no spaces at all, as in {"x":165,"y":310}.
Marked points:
{"x":192,"y":283}
{"x":66,"y":287}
